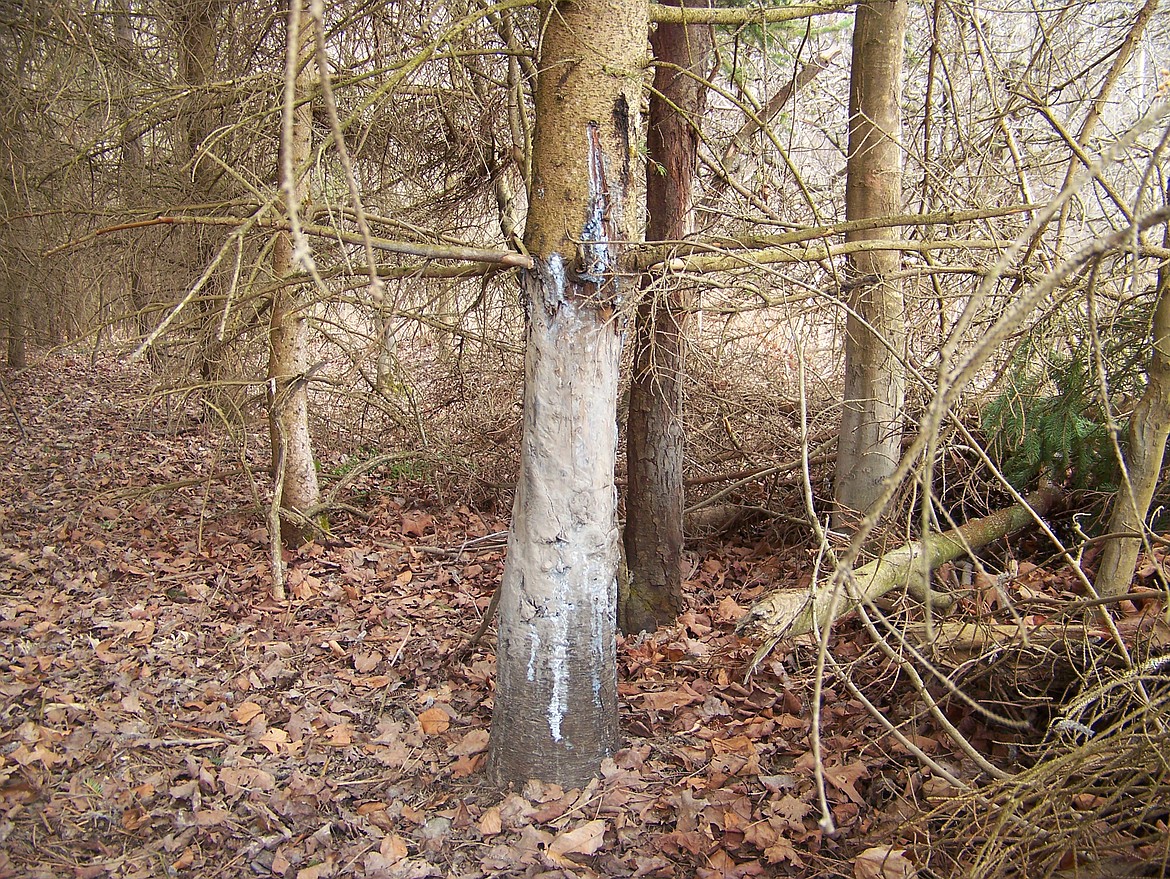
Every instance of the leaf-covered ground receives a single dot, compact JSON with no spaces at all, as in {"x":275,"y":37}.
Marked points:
{"x":161,"y":717}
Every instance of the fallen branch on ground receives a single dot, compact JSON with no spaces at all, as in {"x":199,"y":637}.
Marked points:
{"x":788,"y":613}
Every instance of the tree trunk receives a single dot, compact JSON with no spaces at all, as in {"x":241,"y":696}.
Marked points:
{"x":288,"y":356}
{"x":654,"y":436}
{"x":17,"y":312}
{"x":133,"y":177}
{"x":871,"y":430}
{"x":13,"y":259}
{"x":195,"y":24}
{"x":555,"y":713}
{"x":1149,"y":428}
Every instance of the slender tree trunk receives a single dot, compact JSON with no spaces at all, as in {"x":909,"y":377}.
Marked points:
{"x":133,"y":174}
{"x":1149,"y":428}
{"x":13,"y":260}
{"x":196,"y":24}
{"x":654,"y":437}
{"x":555,"y":714}
{"x":288,"y":356}
{"x":17,"y":320}
{"x":871,"y":428}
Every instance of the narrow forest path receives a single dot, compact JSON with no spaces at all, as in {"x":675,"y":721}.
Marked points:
{"x":162,"y":717}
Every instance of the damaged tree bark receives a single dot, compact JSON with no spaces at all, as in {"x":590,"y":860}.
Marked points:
{"x":555,"y":711}
{"x":788,"y":613}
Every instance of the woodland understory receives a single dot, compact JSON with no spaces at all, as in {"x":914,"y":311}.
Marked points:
{"x":375,"y":371}
{"x":162,"y":718}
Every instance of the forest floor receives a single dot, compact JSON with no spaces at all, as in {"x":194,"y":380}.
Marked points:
{"x":161,"y":716}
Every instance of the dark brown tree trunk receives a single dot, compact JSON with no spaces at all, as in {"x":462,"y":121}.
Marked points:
{"x":133,"y":174}
{"x":195,"y":23}
{"x":654,"y":438}
{"x":17,"y":319}
{"x":555,"y":712}
{"x":13,"y":259}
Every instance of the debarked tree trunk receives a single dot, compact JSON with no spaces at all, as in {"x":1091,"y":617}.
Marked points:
{"x":555,"y":707}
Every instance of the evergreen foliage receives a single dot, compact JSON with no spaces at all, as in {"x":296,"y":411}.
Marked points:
{"x":1048,"y":419}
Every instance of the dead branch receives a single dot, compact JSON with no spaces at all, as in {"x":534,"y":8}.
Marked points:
{"x":787,"y":613}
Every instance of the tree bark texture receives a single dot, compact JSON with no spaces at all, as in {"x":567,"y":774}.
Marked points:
{"x":196,"y":24}
{"x":13,"y":259}
{"x":1149,"y":428}
{"x":133,"y":176}
{"x":871,"y":430}
{"x":288,"y":355}
{"x":654,"y":437}
{"x":555,"y":711}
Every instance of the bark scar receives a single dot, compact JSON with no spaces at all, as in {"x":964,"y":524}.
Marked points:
{"x":594,"y":253}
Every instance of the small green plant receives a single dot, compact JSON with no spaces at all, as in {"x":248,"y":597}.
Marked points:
{"x":1048,"y":419}
{"x":1048,"y":427}
{"x":399,"y":467}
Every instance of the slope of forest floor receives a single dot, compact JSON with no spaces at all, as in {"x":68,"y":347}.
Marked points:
{"x":163,"y":717}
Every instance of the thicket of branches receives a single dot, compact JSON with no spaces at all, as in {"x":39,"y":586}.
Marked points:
{"x":140,"y":199}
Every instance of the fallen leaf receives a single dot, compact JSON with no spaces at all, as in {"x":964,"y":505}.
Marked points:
{"x":434,"y":721}
{"x":668,"y":700}
{"x":883,"y":862}
{"x":274,"y":739}
{"x":844,"y":778}
{"x":416,"y":522}
{"x":246,"y":711}
{"x":583,"y":840}
{"x":473,"y":742}
{"x":318,"y":871}
{"x":490,"y":823}
{"x":735,"y":756}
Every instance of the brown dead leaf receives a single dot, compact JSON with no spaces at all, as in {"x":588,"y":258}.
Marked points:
{"x":246,"y":711}
{"x":473,"y":742}
{"x":721,"y":865}
{"x":783,"y":850}
{"x":366,"y":662}
{"x":211,"y":817}
{"x":490,"y":823}
{"x":416,"y":523}
{"x":274,"y":739}
{"x":667,"y":700}
{"x":583,"y":840}
{"x":134,"y":817}
{"x":393,"y":848}
{"x":845,"y":778}
{"x":245,"y":779}
{"x":322,"y":870}
{"x":434,"y":721}
{"x":468,"y":765}
{"x":883,"y":862}
{"x":729,"y":611}
{"x":793,"y":811}
{"x":735,"y":756}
